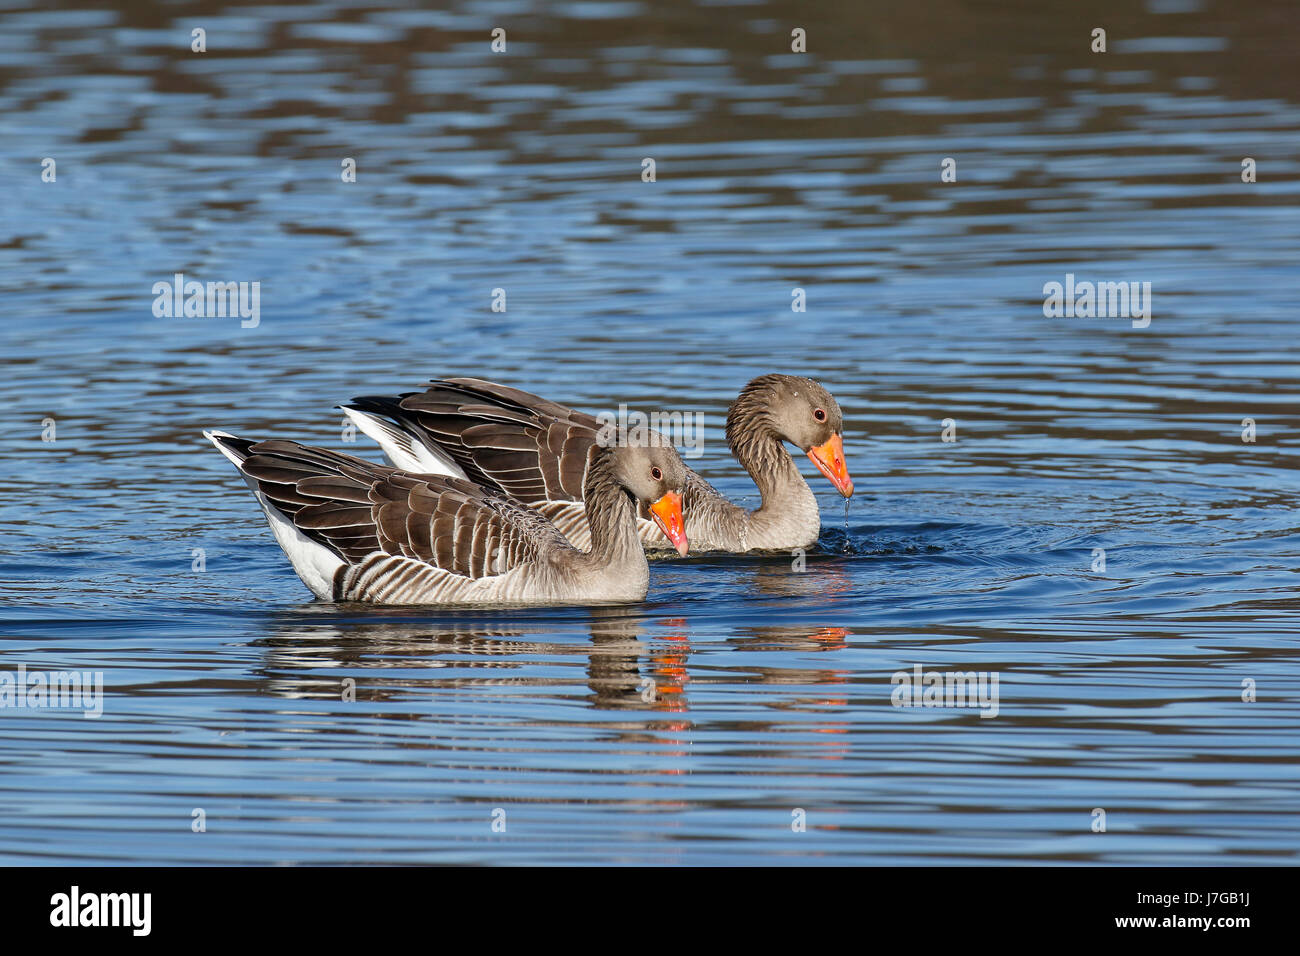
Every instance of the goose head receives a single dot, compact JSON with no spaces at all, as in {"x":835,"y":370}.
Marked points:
{"x":805,"y":414}
{"x":652,"y":472}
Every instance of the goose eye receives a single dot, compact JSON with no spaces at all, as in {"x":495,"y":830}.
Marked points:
{"x":820,"y":414}
{"x":656,"y":474}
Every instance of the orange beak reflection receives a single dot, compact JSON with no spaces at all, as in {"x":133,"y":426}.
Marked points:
{"x":829,"y":459}
{"x":667,"y":512}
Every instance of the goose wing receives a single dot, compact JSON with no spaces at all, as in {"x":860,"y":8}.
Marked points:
{"x":359,"y":510}
{"x":526,"y":447}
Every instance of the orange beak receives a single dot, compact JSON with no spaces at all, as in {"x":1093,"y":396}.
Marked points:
{"x":667,"y":512}
{"x":829,"y":459}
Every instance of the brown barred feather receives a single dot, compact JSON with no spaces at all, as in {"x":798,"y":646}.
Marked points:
{"x":517,"y":443}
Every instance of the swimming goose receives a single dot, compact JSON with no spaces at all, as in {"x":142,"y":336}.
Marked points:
{"x":533,"y":450}
{"x":357,"y":531}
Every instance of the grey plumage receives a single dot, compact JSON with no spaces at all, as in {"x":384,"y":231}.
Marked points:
{"x":387,"y":536}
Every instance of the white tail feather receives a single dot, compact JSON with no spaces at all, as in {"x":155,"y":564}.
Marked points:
{"x":404,"y":450}
{"x":314,"y":563}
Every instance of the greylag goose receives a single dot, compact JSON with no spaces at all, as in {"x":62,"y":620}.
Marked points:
{"x":534,"y":450}
{"x":357,"y":531}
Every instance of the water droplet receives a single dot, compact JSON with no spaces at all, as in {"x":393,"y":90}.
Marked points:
{"x":846,"y":549}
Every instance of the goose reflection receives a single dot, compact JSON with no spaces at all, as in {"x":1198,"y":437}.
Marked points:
{"x":830,"y":685}
{"x":632,"y":661}
{"x":626,"y":659}
{"x":815,"y":574}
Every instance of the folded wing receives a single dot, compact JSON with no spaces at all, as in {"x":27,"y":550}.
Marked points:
{"x":367,"y":513}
